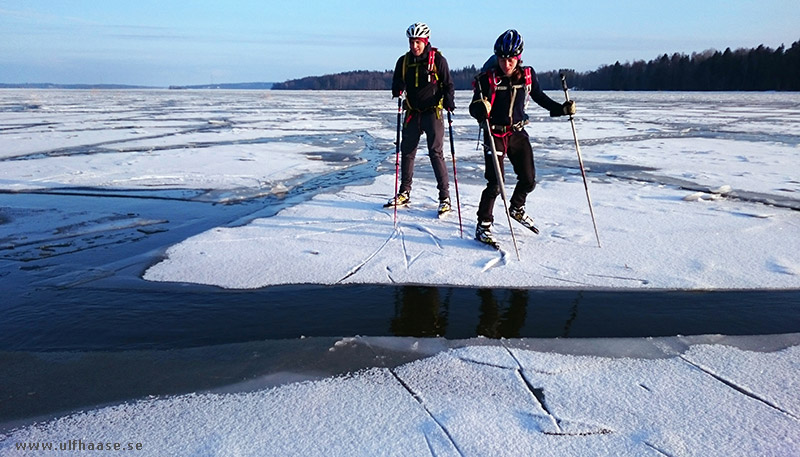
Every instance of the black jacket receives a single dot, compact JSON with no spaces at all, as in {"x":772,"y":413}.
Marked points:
{"x":508,"y":88}
{"x":421,"y":93}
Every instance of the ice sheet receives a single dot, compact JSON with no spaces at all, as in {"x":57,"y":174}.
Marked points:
{"x":652,"y":237}
{"x":472,"y":400}
{"x":690,"y":191}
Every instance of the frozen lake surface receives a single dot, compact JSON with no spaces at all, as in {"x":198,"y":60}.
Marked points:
{"x":244,"y":190}
{"x":692,"y":191}
{"x":170,"y":220}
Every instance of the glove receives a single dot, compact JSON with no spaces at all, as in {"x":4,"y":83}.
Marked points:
{"x":449,"y":106}
{"x":569,"y":107}
{"x":480,"y":109}
{"x":396,"y":93}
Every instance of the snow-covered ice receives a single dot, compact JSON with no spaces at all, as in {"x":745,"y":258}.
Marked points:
{"x":691,"y":191}
{"x":652,"y":237}
{"x":700,"y":396}
{"x":167,"y":140}
{"x":663,"y":217}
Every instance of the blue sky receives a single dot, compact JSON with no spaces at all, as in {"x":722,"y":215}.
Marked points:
{"x":166,"y":42}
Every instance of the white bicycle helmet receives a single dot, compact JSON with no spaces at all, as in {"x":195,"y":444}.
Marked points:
{"x":418,"y":30}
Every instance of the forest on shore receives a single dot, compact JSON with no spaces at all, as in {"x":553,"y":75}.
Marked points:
{"x":756,"y":69}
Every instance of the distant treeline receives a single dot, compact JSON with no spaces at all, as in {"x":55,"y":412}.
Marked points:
{"x":350,"y":80}
{"x":761,"y":68}
{"x":756,"y":69}
{"x":367,"y":80}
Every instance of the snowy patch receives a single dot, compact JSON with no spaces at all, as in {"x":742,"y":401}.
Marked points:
{"x":651,"y":238}
{"x":709,"y":399}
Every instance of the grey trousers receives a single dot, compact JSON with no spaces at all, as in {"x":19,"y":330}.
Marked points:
{"x":430,"y":123}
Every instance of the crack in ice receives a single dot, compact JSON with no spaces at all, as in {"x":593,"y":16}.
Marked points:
{"x":537,"y":393}
{"x":738,"y":388}
{"x":419,"y":400}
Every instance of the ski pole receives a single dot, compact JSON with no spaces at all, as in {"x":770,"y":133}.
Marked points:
{"x":580,"y":160}
{"x":501,"y":182}
{"x":455,"y":176}
{"x":397,"y":155}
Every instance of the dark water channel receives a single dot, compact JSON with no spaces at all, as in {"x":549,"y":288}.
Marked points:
{"x":120,"y":315}
{"x":87,"y":294}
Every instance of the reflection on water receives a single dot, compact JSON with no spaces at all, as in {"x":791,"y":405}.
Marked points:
{"x":498,"y":319}
{"x":110,"y":316}
{"x":564,"y":313}
{"x":419,"y":311}
{"x":423,"y":311}
{"x":573,"y":314}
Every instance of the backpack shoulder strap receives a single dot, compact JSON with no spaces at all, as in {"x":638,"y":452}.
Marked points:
{"x":491,"y":76}
{"x":528,"y":80}
{"x":433,"y":73}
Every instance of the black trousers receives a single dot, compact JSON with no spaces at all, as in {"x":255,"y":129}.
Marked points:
{"x":416,"y":123}
{"x":517,"y":147}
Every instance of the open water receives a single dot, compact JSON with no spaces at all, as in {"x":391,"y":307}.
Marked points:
{"x":91,"y":296}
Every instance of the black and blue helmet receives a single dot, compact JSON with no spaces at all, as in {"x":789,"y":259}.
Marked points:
{"x":508,"y":44}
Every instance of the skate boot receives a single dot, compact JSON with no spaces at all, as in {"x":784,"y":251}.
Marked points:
{"x":483,"y":233}
{"x":401,"y":199}
{"x":444,"y":207}
{"x":518,"y":214}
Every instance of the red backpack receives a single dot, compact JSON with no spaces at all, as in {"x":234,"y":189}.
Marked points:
{"x":491,"y":75}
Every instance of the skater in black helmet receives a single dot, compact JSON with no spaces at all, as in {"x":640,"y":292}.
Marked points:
{"x":424,"y":76}
{"x":501,"y":95}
